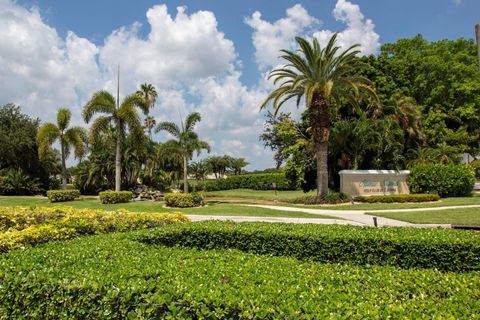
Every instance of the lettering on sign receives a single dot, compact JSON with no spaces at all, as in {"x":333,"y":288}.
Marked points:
{"x":369,"y":186}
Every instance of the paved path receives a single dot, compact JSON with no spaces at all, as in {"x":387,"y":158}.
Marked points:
{"x":273,"y":219}
{"x":368,"y":220}
{"x":346,"y":217}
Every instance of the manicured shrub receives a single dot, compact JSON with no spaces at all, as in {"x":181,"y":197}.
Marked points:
{"x":444,"y":180}
{"x":400,"y":198}
{"x":62,"y":195}
{"x":183,"y":200}
{"x":475,"y":164}
{"x":109,"y":196}
{"x":248,"y":181}
{"x":451,"y":250}
{"x":21,"y":226}
{"x":112,"y":277}
{"x":330,"y":198}
{"x":15,"y":182}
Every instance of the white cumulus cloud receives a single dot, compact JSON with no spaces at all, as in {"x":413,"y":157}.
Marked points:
{"x":359,"y":30}
{"x":270,"y":37}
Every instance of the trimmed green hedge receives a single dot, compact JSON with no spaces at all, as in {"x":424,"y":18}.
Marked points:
{"x":444,"y":180}
{"x":402,"y":247}
{"x":112,"y":277}
{"x":475,"y":165}
{"x":183,"y":200}
{"x":399,"y":198}
{"x":248,"y":181}
{"x":62,"y":195}
{"x":109,"y":196}
{"x":330,"y":198}
{"x":22,"y":226}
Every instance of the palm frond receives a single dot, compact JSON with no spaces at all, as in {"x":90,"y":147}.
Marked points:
{"x":63,"y":118}
{"x":191,"y":120}
{"x":46,"y":136}
{"x":74,"y":137}
{"x":101,"y":102}
{"x":170,"y":127}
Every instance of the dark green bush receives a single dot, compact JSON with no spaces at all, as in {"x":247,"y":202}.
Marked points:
{"x":183,"y":200}
{"x":402,"y":198}
{"x":107,"y":197}
{"x":62,"y":195}
{"x":444,"y":180}
{"x":330,"y":198}
{"x":248,"y":181}
{"x":112,"y":277}
{"x":475,"y":164}
{"x":402,"y":247}
{"x":15,"y":182}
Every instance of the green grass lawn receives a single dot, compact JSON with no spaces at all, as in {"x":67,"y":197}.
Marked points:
{"x":257,"y":194}
{"x":465,"y":216}
{"x":213,"y":208}
{"x":245,"y":195}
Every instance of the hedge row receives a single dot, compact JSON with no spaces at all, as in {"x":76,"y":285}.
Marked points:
{"x":402,"y":247}
{"x":62,"y":195}
{"x":444,"y":180}
{"x":183,"y":200}
{"x":248,"y":181}
{"x":330,"y":198}
{"x":22,"y":226}
{"x":110,"y":277}
{"x":109,"y":196}
{"x":402,"y":198}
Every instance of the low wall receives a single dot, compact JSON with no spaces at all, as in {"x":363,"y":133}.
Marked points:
{"x":374,"y":182}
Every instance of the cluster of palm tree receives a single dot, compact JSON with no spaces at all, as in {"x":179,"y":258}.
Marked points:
{"x":218,"y":165}
{"x":119,"y":151}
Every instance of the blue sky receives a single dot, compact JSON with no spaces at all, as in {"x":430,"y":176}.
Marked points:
{"x":208,"y":56}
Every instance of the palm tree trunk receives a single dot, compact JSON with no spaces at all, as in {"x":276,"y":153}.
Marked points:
{"x":118,"y":161}
{"x":320,"y":124}
{"x":64,"y":166}
{"x":185,"y":175}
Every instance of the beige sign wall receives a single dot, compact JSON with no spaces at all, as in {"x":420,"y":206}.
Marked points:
{"x":374,"y":182}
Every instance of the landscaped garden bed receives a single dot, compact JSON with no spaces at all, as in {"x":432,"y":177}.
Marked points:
{"x":448,"y":250}
{"x":116,"y":277}
{"x":22,"y":226}
{"x":398,"y":198}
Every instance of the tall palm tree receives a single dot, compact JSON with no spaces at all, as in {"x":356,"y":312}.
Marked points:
{"x":67,"y":137}
{"x":149,"y":123}
{"x":323,"y":77}
{"x":149,"y":95}
{"x":186,"y":141}
{"x":123,"y":116}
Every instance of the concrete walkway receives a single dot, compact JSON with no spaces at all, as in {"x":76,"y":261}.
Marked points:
{"x":359,"y":216}
{"x":345,"y":217}
{"x":273,"y":219}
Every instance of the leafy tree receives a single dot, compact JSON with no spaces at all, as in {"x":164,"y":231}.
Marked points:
{"x":185,"y":141}
{"x":200,"y":170}
{"x":122,"y":116}
{"x":18,"y":145}
{"x":237,"y":164}
{"x":219,"y":165}
{"x":443,"y":79}
{"x":279,"y":133}
{"x":68,"y":138}
{"x":323,"y":77}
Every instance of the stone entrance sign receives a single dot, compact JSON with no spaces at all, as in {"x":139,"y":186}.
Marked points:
{"x":374,"y":182}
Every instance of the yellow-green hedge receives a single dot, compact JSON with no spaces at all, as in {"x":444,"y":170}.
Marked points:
{"x":22,"y":226}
